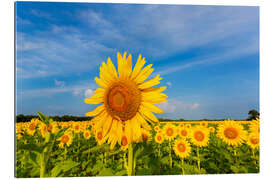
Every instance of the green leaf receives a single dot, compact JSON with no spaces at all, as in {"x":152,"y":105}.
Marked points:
{"x":121,"y":173}
{"x":43,"y":118}
{"x":55,"y":171}
{"x":68,"y":164}
{"x":106,"y":172}
{"x":30,"y":147}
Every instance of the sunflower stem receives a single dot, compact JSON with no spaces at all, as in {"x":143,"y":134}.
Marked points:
{"x":198,"y":160}
{"x":159,"y":150}
{"x":183,"y":172}
{"x":170,"y":154}
{"x":130,"y":159}
{"x":125,"y":161}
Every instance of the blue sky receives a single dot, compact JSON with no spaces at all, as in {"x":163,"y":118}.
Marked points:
{"x":208,"y":56}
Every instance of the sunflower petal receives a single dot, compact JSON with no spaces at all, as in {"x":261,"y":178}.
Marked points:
{"x":96,"y":111}
{"x":152,"y":107}
{"x":152,"y":82}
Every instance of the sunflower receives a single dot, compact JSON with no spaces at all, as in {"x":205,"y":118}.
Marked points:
{"x":204,"y":123}
{"x":99,"y":137}
{"x":146,"y":136}
{"x":188,"y":126}
{"x":42,"y":129}
{"x":127,"y":99}
{"x":159,"y":138}
{"x":169,"y":131}
{"x":254,"y":126}
{"x":212,"y":129}
{"x":253,"y":140}
{"x":184,"y":132}
{"x":53,"y":127}
{"x":31,"y":129}
{"x":86,"y":134}
{"x":200,"y":136}
{"x":76,"y":127}
{"x":156,"y":128}
{"x":231,"y":133}
{"x":65,"y":139}
{"x":182,"y":148}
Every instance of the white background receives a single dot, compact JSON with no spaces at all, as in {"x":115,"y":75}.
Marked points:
{"x":7,"y":87}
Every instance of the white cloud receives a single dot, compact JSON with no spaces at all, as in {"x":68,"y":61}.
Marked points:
{"x":195,"y":106}
{"x":177,"y":106}
{"x":169,"y":84}
{"x":88,"y":93}
{"x":59,"y":83}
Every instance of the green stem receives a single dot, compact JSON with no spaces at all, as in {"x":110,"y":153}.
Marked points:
{"x":170,"y":154}
{"x":42,"y":165}
{"x":253,"y":156}
{"x":183,"y":172}
{"x":105,"y":158}
{"x":130,"y":159}
{"x":158,"y":150}
{"x":65,"y":153}
{"x":199,"y":162}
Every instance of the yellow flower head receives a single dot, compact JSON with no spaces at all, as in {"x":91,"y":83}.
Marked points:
{"x":87,"y":134}
{"x":42,"y":129}
{"x":253,"y":140}
{"x":212,"y":129}
{"x":184,"y":132}
{"x":159,"y":138}
{"x":32,"y":126}
{"x":204,"y":123}
{"x":254,"y":126}
{"x":231,"y":132}
{"x":156,"y":128}
{"x":53,"y":127}
{"x":169,"y":131}
{"x":182,"y":148}
{"x":99,"y":137}
{"x":127,"y":99}
{"x":77,"y":127}
{"x":146,"y":136}
{"x":65,"y":139}
{"x":200,"y":136}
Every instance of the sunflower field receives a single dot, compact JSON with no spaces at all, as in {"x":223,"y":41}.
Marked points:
{"x":124,"y":137}
{"x":46,"y":148}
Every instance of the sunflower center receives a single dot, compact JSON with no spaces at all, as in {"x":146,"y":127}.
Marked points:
{"x":122,"y":100}
{"x":159,"y":138}
{"x":231,"y":133}
{"x":181,"y":147}
{"x":169,"y":131}
{"x":254,"y":140}
{"x":86,"y":134}
{"x":183,"y":132}
{"x":65,"y":139}
{"x":32,"y":126}
{"x":199,"y":136}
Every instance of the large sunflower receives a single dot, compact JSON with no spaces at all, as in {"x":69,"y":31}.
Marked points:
{"x":231,"y":133}
{"x":200,"y":136}
{"x":182,"y":148}
{"x":127,"y":99}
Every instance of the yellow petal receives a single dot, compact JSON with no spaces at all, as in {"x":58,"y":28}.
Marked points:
{"x":147,"y":114}
{"x":111,"y":68}
{"x":151,"y":107}
{"x":155,"y":89}
{"x":100,"y":82}
{"x":152,"y":82}
{"x":138,"y":66}
{"x":96,"y":111}
{"x":143,"y":75}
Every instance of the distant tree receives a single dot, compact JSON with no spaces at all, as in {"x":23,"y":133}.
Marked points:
{"x":181,"y":119}
{"x":253,"y":114}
